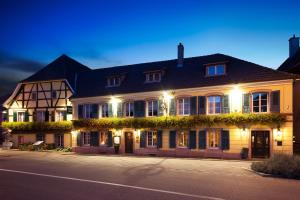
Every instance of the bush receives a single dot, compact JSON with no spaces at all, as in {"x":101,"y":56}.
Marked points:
{"x":65,"y":149}
{"x":26,"y":146}
{"x":49,"y":146}
{"x":244,"y":153}
{"x":282,"y":165}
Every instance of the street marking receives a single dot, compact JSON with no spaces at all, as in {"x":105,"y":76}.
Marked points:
{"x":115,"y":184}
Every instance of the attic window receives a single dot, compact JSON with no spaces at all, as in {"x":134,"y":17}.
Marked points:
{"x":153,"y":77}
{"x":113,"y":81}
{"x":215,"y":70}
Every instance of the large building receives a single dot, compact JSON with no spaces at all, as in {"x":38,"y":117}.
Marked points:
{"x":206,"y":106}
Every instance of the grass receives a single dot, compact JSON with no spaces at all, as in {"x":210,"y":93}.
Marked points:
{"x":282,"y":165}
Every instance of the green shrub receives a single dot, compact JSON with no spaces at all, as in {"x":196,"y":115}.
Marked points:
{"x":26,"y":146}
{"x":65,"y":149}
{"x":38,"y":126}
{"x":282,"y":165}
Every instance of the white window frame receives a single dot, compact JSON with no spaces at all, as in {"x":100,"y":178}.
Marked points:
{"x":114,"y":81}
{"x":18,"y":119}
{"x":216,"y":141}
{"x":185,"y":141}
{"x":213,"y":104}
{"x":104,"y":105}
{"x":153,"y":141}
{"x":102,"y":140}
{"x":60,"y":140}
{"x":181,"y":106}
{"x":86,"y":138}
{"x":128,"y":106}
{"x":151,"y":108}
{"x":259,"y":102}
{"x":215,"y":70}
{"x":59,"y":117}
{"x":151,"y":77}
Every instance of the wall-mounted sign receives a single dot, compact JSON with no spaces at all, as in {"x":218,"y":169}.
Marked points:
{"x":69,"y":110}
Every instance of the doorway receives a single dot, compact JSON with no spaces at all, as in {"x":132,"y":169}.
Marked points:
{"x":128,"y":142}
{"x":260,"y":144}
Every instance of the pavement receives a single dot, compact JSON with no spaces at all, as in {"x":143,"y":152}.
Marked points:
{"x":54,"y":175}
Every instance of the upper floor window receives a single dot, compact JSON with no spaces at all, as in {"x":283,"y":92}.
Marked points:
{"x":215,"y":70}
{"x":214,"y":104}
{"x":260,"y":102}
{"x":40,"y":116}
{"x":114,"y":81}
{"x":152,"y":138}
{"x":104,"y":110}
{"x":183,"y":106}
{"x":128,"y":109}
{"x":153,"y":77}
{"x":183,"y":139}
{"x":152,"y":108}
{"x":88,"y":111}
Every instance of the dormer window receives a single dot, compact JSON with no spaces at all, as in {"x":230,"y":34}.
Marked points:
{"x":215,"y":70}
{"x":113,"y":81}
{"x":153,"y":77}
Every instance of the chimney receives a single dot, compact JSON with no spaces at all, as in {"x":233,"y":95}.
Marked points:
{"x":293,"y":45}
{"x":180,"y":55}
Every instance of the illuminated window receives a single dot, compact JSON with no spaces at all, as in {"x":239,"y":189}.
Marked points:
{"x":183,"y":106}
{"x":260,"y":102}
{"x":215,"y":70}
{"x":103,"y":138}
{"x":128,"y":109}
{"x":21,"y":116}
{"x":152,"y":108}
{"x":60,"y":115}
{"x":214,"y":104}
{"x":214,"y":138}
{"x":86,"y":138}
{"x":153,"y":77}
{"x":114,"y":81}
{"x":152,"y":138}
{"x":182,"y":139}
{"x":104,"y":110}
{"x":59,"y":140}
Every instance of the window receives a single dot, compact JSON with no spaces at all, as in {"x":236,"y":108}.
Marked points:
{"x":214,"y":104}
{"x":54,"y":94}
{"x":60,"y":115}
{"x":128,"y":109}
{"x":86,"y":138}
{"x":103,"y":138}
{"x":182,"y":139}
{"x":113,"y":81}
{"x":183,"y":106}
{"x":21,"y":117}
{"x":215,"y":70}
{"x":40,"y":116}
{"x":59,"y":140}
{"x":152,"y":108}
{"x":88,"y":111}
{"x":40,"y":137}
{"x":153,"y":77}
{"x":33,"y":96}
{"x":152,"y":138}
{"x":260,"y":102}
{"x":104,"y":110}
{"x":214,"y":138}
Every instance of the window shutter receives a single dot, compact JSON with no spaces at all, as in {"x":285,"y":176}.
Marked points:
{"x":193,"y":105}
{"x":139,"y":108}
{"x":26,"y":116}
{"x":53,"y":116}
{"x":119,"y":110}
{"x":110,"y":111}
{"x":34,"y":116}
{"x":79,"y":139}
{"x":143,"y":139}
{"x":246,"y":103}
{"x":65,"y":116}
{"x":160,"y":107}
{"x":275,"y":101}
{"x":95,"y":111}
{"x":172,"y":139}
{"x":63,"y":140}
{"x":94,"y":139}
{"x":15,"y":116}
{"x":56,"y":140}
{"x":80,"y":111}
{"x":159,"y":139}
{"x":225,"y":140}
{"x":202,"y":139}
{"x":172,"y":109}
{"x":109,"y":139}
{"x":46,"y":116}
{"x":201,"y":105}
{"x":192,"y":140}
{"x":225,"y":104}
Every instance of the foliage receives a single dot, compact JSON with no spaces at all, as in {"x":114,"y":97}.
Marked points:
{"x":282,"y":165}
{"x":38,"y":126}
{"x":244,"y":153}
{"x":26,"y":147}
{"x":182,"y":122}
{"x":65,"y":149}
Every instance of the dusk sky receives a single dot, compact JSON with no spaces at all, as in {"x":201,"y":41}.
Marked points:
{"x":108,"y":33}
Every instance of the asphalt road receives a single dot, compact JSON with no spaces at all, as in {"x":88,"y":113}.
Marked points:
{"x":49,"y":175}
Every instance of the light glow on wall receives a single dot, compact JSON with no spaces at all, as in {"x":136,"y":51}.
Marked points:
{"x":114,"y":102}
{"x":278,"y":135}
{"x":236,"y":99}
{"x":166,"y":97}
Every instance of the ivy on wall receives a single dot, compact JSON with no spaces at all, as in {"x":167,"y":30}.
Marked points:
{"x":38,"y":126}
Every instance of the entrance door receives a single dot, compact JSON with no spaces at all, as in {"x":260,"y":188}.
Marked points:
{"x":260,"y":144}
{"x":128,"y":142}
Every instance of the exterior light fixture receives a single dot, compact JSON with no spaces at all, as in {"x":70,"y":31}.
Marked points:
{"x":244,"y":131}
{"x":114,"y":102}
{"x":137,"y":135}
{"x":166,"y":98}
{"x":278,"y":135}
{"x":236,"y":98}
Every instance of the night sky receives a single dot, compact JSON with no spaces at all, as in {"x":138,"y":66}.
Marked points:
{"x":108,"y":33}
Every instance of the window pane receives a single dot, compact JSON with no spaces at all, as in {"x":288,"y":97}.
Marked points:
{"x":211,"y":70}
{"x":214,"y":139}
{"x":220,"y":69}
{"x":255,"y":96}
{"x":264,"y":96}
{"x":182,"y":139}
{"x":155,"y":108}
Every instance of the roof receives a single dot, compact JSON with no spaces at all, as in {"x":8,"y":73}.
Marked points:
{"x":291,"y":64}
{"x":192,"y":74}
{"x":63,"y":67}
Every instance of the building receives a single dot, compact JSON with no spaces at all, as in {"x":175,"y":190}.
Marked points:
{"x":44,"y":97}
{"x":292,"y":65}
{"x":131,"y":103}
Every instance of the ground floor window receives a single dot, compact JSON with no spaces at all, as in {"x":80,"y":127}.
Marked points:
{"x":21,"y":116}
{"x":20,"y":139}
{"x":40,"y":137}
{"x":152,"y":138}
{"x":59,"y":140}
{"x":86,"y":138}
{"x":103,"y":138}
{"x":214,"y":138}
{"x":182,"y":139}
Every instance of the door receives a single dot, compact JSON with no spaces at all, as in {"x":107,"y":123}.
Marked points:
{"x":260,"y":144}
{"x":128,"y":142}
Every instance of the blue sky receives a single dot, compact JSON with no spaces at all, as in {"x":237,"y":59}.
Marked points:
{"x":115,"y":32}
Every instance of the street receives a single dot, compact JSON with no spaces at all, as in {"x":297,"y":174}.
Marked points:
{"x":52,"y":175}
